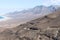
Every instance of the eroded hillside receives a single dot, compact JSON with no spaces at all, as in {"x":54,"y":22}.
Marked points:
{"x":44,"y":28}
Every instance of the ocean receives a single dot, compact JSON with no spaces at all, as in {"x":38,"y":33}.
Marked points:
{"x":1,"y":17}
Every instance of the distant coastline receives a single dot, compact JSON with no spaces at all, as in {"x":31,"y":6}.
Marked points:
{"x":4,"y":18}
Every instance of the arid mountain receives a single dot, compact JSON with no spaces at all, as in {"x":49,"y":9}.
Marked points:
{"x":19,"y":17}
{"x":43,"y":28}
{"x":42,"y":10}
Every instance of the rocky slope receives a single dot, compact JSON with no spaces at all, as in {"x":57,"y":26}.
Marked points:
{"x":19,"y":17}
{"x":44,"y":28}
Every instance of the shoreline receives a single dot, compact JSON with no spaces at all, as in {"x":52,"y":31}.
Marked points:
{"x":5,"y":18}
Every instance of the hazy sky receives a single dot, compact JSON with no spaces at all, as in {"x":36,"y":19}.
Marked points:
{"x":13,"y":5}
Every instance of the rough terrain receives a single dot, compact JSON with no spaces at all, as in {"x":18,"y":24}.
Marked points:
{"x":44,"y":28}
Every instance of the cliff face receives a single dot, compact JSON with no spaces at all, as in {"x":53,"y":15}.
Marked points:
{"x":44,"y":28}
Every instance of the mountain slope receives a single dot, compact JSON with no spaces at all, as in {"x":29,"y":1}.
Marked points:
{"x":43,"y":28}
{"x":20,"y":17}
{"x":42,"y":10}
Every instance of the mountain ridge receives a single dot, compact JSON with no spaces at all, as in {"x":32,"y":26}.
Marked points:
{"x":37,"y":8}
{"x":18,"y":18}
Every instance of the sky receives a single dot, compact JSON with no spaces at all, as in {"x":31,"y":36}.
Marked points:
{"x":7,"y":6}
